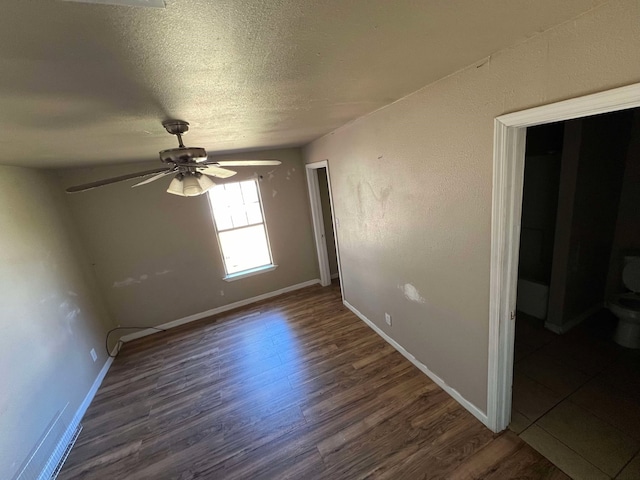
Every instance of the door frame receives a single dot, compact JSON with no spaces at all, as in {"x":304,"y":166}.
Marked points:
{"x":508,"y":177}
{"x":318,"y":222}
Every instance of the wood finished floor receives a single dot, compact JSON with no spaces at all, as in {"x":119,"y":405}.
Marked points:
{"x":293,"y":387}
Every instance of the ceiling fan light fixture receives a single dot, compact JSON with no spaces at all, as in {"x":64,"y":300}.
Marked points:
{"x":205,"y":182}
{"x":176,"y":187}
{"x":190,"y":185}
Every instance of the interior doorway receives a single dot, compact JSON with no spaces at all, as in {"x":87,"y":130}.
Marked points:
{"x":324,"y":222}
{"x":586,"y":403}
{"x":508,"y":167}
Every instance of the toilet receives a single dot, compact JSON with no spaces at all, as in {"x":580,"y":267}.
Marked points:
{"x":626,"y":306}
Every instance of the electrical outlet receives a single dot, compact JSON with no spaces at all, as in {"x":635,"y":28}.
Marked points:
{"x":387,"y":318}
{"x":222,"y":293}
{"x":94,"y":355}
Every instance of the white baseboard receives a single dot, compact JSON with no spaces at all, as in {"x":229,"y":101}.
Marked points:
{"x":94,"y":388}
{"x":475,"y":411}
{"x":217,"y":310}
{"x":565,"y":327}
{"x":61,"y":449}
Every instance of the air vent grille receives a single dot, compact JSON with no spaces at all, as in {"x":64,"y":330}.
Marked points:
{"x":66,"y":451}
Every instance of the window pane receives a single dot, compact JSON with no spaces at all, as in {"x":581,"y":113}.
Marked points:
{"x":218,"y":198}
{"x":254,"y":215}
{"x":249,"y":192}
{"x":245,"y":248}
{"x":238,"y":216}
{"x":223,"y":219}
{"x":233,"y":194}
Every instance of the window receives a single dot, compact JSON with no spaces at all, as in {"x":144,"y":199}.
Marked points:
{"x":242,"y":234}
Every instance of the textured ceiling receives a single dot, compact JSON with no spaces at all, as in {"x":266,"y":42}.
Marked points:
{"x":83,"y":84}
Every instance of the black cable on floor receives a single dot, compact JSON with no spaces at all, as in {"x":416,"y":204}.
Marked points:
{"x":106,"y":340}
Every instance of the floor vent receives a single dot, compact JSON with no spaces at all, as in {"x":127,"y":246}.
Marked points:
{"x":47,"y":458}
{"x":40,"y":457}
{"x":66,"y":451}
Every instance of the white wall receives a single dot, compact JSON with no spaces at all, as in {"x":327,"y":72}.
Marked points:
{"x":50,"y":314}
{"x":412,"y":186}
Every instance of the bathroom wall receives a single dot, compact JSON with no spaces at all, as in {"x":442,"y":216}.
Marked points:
{"x":325,"y":200}
{"x":627,"y":230}
{"x":539,"y":207}
{"x":591,"y":180}
{"x":540,"y":201}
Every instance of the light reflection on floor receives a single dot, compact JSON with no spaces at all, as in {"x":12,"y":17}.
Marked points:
{"x":270,"y":352}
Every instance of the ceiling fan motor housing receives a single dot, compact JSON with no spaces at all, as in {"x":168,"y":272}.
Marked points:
{"x":183,"y":155}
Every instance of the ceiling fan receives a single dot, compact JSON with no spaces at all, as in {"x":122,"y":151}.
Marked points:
{"x":190,"y":167}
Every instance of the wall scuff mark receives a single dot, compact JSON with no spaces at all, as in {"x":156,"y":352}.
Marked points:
{"x":381,"y":198}
{"x":411,"y":293}
{"x":130,"y":281}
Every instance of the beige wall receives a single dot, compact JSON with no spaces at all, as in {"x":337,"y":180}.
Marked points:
{"x":412,"y":187}
{"x":156,"y":255}
{"x":50,"y":314}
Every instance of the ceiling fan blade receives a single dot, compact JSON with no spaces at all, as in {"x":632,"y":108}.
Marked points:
{"x":107,"y":181}
{"x":154,"y":178}
{"x":244,"y":163}
{"x":215,"y":171}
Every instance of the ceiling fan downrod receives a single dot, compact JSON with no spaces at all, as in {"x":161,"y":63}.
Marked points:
{"x":177,"y":128}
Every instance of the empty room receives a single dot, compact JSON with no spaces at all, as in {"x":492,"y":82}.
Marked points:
{"x":293,"y":239}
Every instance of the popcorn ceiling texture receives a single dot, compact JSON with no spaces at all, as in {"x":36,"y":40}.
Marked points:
{"x":84,"y":84}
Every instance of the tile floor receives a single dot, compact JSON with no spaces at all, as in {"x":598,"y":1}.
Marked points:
{"x":576,"y":398}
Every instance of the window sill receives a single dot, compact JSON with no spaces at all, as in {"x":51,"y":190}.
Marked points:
{"x":249,"y":273}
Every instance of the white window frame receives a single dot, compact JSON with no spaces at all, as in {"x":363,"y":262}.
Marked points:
{"x":231,"y":277}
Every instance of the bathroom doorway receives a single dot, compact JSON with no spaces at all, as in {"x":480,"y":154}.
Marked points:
{"x":575,"y":392}
{"x":508,"y":174}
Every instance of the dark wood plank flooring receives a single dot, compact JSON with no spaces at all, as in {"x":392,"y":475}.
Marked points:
{"x":293,"y":387}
